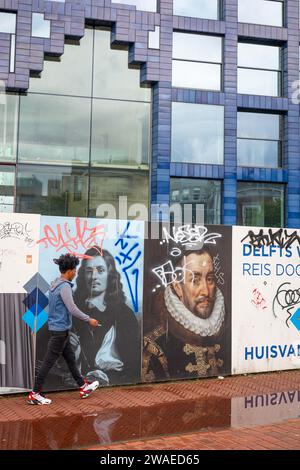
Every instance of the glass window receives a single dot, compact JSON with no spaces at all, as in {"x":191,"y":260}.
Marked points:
{"x":154,"y":38}
{"x":259,"y":69}
{"x":120,"y":133}
{"x":7,"y":22}
{"x":54,"y":129}
{"x":7,"y":188}
{"x":261,"y":12}
{"x":260,"y":204}
{"x":259,"y":139}
{"x":71,"y":74}
{"x":52,"y":190}
{"x":108,"y":185}
{"x":112,"y":77}
{"x":40,"y":26}
{"x":197,"y":47}
{"x":9,"y":108}
{"x":148,"y":5}
{"x":197,"y":133}
{"x":258,"y":56}
{"x":197,"y":61}
{"x":203,"y":195}
{"x":209,"y":9}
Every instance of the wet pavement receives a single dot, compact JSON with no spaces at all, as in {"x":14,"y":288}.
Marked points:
{"x":133,"y":416}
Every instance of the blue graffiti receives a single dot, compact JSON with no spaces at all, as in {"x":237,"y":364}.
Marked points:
{"x":127,"y":258}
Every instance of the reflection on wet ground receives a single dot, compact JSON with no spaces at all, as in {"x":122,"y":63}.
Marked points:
{"x":124,"y":424}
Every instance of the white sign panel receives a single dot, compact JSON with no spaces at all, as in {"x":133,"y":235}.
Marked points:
{"x":19,"y":251}
{"x":265,"y":299}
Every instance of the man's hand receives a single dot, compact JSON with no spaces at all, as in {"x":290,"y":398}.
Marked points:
{"x":93,"y":322}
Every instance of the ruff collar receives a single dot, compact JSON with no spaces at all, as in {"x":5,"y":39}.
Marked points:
{"x":203,"y":327}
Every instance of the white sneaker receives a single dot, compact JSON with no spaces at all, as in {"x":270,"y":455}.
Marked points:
{"x":88,"y":388}
{"x":38,"y":399}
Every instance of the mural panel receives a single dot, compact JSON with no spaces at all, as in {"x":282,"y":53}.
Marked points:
{"x":266,"y":305}
{"x":19,"y":258}
{"x":187,"y":308}
{"x":108,"y":287}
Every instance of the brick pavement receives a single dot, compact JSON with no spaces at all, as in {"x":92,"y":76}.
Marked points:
{"x":253,"y":411}
{"x":281,"y":436}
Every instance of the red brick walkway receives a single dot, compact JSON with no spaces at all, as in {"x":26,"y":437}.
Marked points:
{"x":283,"y":436}
{"x":245,"y":412}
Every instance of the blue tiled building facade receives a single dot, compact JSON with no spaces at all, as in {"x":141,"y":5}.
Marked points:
{"x":148,"y":29}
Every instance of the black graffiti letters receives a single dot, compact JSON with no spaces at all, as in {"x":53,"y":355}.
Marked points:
{"x":280,"y":237}
{"x":15,"y":230}
{"x":286,"y":299}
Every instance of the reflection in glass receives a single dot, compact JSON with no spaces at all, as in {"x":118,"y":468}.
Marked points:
{"x":7,"y":187}
{"x":197,"y":133}
{"x":261,"y":153}
{"x":40,"y":27}
{"x":52,"y":190}
{"x":259,"y":126}
{"x":197,"y":47}
{"x":198,"y":8}
{"x":259,"y":70}
{"x":261,"y":12}
{"x":154,"y":38}
{"x":200,"y":61}
{"x":196,"y":75}
{"x":258,"y":56}
{"x":259,"y":140}
{"x":112,"y":78}
{"x":260,"y":204}
{"x":7,"y":22}
{"x":54,"y":129}
{"x":71,"y":74}
{"x":258,"y":82}
{"x":120,"y":133}
{"x":204,"y":193}
{"x":108,"y":185}
{"x":9,"y":107}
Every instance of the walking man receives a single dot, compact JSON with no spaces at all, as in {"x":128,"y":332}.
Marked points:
{"x":61,"y":309}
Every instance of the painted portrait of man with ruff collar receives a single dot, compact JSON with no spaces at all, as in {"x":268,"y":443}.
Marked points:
{"x":187,"y":321}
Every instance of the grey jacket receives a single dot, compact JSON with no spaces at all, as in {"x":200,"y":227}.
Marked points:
{"x":62,"y":306}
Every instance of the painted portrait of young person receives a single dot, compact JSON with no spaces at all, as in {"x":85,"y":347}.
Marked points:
{"x":111,"y":352}
{"x":187,"y":319}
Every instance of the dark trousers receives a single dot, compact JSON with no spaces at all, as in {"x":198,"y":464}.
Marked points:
{"x":58,"y":345}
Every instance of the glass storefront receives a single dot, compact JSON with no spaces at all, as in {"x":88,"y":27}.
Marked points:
{"x":78,"y":115}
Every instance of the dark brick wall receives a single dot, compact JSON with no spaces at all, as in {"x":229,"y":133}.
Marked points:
{"x":131,"y":27}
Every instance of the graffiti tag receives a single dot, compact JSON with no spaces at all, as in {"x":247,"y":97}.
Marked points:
{"x":257,"y":300}
{"x":16,"y":230}
{"x":219,"y":275}
{"x":167,"y":274}
{"x":281,"y":238}
{"x":286,"y":299}
{"x":129,"y":253}
{"x":83,"y":238}
{"x":191,"y":236}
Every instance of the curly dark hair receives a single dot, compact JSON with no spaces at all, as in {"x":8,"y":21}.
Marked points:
{"x":114,"y":292}
{"x":66,"y":262}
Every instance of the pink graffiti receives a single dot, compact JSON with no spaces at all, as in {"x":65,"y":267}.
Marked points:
{"x":83,"y":239}
{"x":258,"y":300}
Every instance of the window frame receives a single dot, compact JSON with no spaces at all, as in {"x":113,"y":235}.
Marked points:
{"x":197,"y":61}
{"x":270,"y":70}
{"x":280,"y":141}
